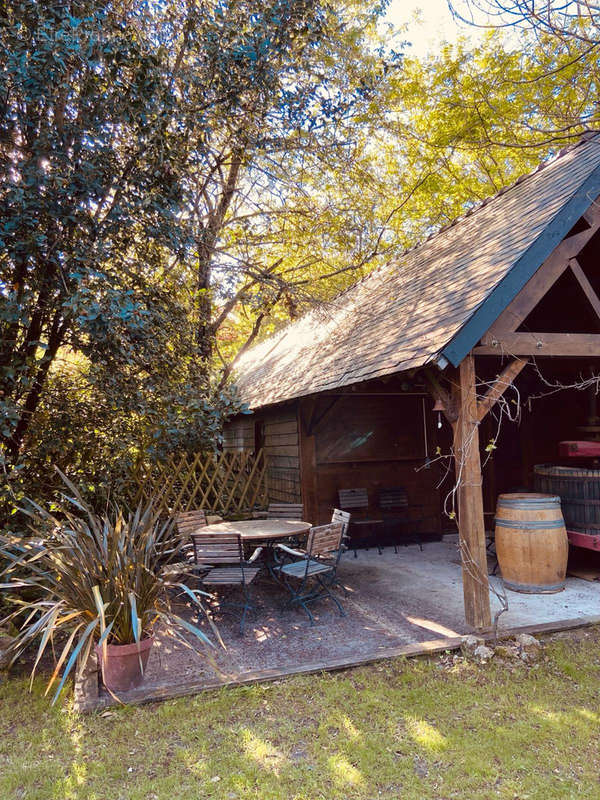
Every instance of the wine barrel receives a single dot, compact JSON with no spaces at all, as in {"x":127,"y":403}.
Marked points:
{"x":531,"y":542}
{"x":579,"y":492}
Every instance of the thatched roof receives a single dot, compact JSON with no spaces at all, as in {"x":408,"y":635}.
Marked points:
{"x":435,"y":301}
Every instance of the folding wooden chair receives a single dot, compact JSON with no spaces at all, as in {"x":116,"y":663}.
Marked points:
{"x":313,"y":574}
{"x":363,"y":531}
{"x":222,"y":555}
{"x":188,"y":522}
{"x":401,"y":526}
{"x":342,"y":517}
{"x":285,"y":511}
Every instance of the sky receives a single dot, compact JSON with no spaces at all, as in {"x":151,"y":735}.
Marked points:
{"x":429,"y":22}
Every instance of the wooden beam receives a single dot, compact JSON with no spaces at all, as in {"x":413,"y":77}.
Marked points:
{"x":170,"y":687}
{"x":470,"y":500}
{"x":537,"y":286}
{"x":317,"y":419}
{"x":540,"y":344}
{"x":500,"y":385}
{"x":439,"y":394}
{"x":585,"y":285}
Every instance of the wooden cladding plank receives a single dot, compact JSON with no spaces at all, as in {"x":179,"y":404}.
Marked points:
{"x":282,"y":450}
{"x":281,"y":440}
{"x":278,"y":415}
{"x":276,"y":427}
{"x":284,"y":462}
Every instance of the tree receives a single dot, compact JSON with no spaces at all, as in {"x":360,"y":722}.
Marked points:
{"x":257,"y":160}
{"x":108,"y":112}
{"x":570,"y":30}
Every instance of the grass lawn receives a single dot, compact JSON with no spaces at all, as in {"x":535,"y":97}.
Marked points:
{"x":438,"y":728}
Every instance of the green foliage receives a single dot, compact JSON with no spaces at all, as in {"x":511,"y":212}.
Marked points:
{"x":92,"y":579}
{"x":177,"y":179}
{"x":108,"y":112}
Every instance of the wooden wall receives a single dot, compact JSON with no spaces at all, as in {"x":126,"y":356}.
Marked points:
{"x":283,"y":456}
{"x":238,"y":434}
{"x":275,"y":430}
{"x":372,"y":439}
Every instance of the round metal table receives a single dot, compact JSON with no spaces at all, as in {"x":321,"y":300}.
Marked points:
{"x":260,"y":530}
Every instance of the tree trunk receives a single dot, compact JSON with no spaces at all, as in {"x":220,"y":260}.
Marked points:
{"x":205,"y":332}
{"x":32,"y":401}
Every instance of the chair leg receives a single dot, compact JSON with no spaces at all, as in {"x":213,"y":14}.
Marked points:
{"x":337,"y":582}
{"x":338,"y":604}
{"x":326,"y":591}
{"x":308,"y":611}
{"x":298,"y":598}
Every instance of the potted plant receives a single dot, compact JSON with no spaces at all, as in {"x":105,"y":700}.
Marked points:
{"x":100,"y":581}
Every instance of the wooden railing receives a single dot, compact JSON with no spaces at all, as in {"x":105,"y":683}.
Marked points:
{"x":226,"y":483}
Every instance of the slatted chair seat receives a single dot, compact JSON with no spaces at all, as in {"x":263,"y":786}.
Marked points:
{"x":285,"y":511}
{"x":231,"y":575}
{"x":298,"y":569}
{"x":313,"y":574}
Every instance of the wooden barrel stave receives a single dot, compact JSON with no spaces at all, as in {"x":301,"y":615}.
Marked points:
{"x":531,"y":543}
{"x":579,"y":491}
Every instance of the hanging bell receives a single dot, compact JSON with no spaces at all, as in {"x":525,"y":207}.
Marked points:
{"x":439,"y":407}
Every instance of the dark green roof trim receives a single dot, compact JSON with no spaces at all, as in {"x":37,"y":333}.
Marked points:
{"x":508,"y":288}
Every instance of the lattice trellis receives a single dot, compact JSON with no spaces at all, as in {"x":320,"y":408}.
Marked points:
{"x":225,"y":484}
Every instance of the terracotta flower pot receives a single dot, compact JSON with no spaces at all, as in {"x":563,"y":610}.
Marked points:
{"x":121,"y":666}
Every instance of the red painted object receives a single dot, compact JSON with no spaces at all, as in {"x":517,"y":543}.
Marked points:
{"x":121,"y":669}
{"x":579,"y":449}
{"x":587,"y":540}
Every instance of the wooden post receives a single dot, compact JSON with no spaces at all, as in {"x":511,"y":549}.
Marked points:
{"x":471,"y":526}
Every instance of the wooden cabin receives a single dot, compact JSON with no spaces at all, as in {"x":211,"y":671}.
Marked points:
{"x":478,"y":328}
